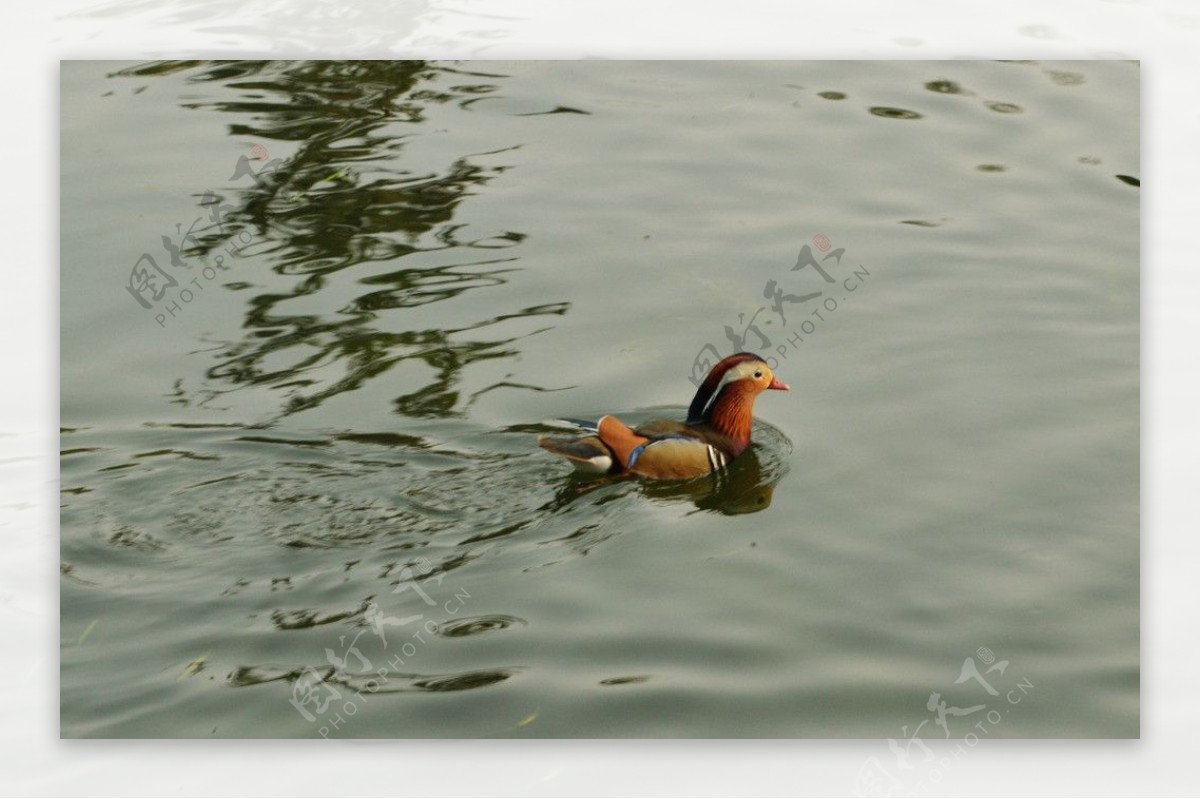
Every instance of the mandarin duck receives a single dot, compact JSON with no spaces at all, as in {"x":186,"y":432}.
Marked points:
{"x":717,"y":429}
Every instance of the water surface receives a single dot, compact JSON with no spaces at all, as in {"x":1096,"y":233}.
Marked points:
{"x":303,"y":498}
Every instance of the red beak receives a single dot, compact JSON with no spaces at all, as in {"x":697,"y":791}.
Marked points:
{"x":777,"y":385}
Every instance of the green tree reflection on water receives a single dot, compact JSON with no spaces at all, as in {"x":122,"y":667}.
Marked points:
{"x":344,"y":198}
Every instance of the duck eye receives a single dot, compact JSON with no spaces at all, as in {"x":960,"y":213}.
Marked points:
{"x":758,"y":373}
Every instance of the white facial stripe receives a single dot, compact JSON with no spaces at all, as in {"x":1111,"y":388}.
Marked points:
{"x":739,"y":372}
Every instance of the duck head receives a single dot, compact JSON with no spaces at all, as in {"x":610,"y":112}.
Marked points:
{"x":725,"y":400}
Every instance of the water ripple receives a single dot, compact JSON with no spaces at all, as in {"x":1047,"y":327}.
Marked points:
{"x":474,"y":625}
{"x":392,"y":683}
{"x":893,"y":113}
{"x":946,"y":87}
{"x":1004,"y":108}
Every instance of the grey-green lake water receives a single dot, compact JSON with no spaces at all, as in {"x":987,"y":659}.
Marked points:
{"x":315,"y":313}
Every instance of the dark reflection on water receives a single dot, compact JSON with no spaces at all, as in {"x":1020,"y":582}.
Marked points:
{"x":474,"y":625}
{"x":361,"y":518}
{"x":395,"y":683}
{"x":893,"y":113}
{"x":1004,"y":108}
{"x":631,"y":680}
{"x":462,"y":682}
{"x":946,"y":87}
{"x":556,"y":110}
{"x":746,"y":486}
{"x":347,"y":199}
{"x":391,"y":502}
{"x":306,"y":619}
{"x":274,"y":495}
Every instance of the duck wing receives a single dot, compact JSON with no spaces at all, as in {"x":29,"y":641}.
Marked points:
{"x":660,"y":428}
{"x":662,"y":449}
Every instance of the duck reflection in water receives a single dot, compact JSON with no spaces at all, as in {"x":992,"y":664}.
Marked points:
{"x":745,"y":486}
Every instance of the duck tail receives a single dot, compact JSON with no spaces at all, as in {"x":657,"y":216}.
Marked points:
{"x":587,"y":454}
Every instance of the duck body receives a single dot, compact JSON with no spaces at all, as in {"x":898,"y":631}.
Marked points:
{"x":716,"y":432}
